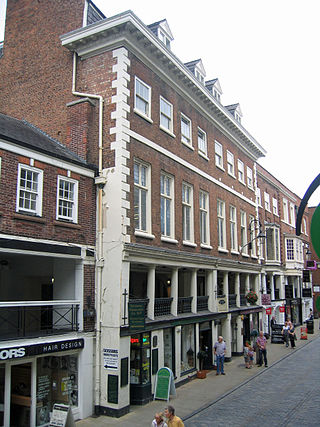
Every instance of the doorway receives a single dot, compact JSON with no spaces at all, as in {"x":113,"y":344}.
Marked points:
{"x":20,"y":395}
{"x":205,"y":344}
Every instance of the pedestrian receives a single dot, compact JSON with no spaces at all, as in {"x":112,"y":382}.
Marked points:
{"x":158,"y":420}
{"x":292,"y":335}
{"x":248,"y":354}
{"x":172,"y":419}
{"x":262,"y":349}
{"x":311,"y":314}
{"x":273,"y":322}
{"x":220,"y":351}
{"x":285,"y":333}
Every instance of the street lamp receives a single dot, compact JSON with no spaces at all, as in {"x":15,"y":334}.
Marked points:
{"x":260,"y":235}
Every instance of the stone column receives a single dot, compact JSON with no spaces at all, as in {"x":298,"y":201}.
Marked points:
{"x":174,"y":291}
{"x":226,"y":332}
{"x":237,"y":288}
{"x":239,"y":336}
{"x":282,"y":287}
{"x":151,"y":286}
{"x":226,"y":287}
{"x":194,"y":291}
{"x":210,"y":289}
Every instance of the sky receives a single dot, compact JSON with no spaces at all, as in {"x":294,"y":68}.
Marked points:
{"x":265,"y":54}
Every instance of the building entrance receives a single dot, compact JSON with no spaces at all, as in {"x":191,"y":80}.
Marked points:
{"x":20,"y":395}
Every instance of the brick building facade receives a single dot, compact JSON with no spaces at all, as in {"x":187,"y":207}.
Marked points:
{"x":179,"y":222}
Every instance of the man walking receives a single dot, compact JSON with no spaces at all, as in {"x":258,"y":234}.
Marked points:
{"x":172,"y":420}
{"x":220,"y":351}
{"x":262,"y":348}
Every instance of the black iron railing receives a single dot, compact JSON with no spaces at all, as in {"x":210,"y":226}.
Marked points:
{"x":144,"y":301}
{"x":20,"y":319}
{"x":202,"y":303}
{"x":232,"y":300}
{"x":184,"y":304}
{"x":162,"y":306}
{"x":243,"y":299}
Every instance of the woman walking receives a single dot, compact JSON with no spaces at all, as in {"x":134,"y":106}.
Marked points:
{"x":292,"y":335}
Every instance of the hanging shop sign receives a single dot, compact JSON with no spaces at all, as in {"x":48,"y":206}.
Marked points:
{"x":222,"y":303}
{"x":136,"y":315}
{"x":281,"y":309}
{"x":266,"y":299}
{"x":268,"y":311}
{"x":37,"y":349}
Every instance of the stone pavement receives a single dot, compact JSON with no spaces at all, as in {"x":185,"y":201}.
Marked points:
{"x":199,"y":393}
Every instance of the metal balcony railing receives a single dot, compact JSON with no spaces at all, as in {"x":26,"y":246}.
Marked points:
{"x":20,"y":319}
{"x":202,"y":303}
{"x":184,"y":304}
{"x":307,"y":293}
{"x":232,"y":300}
{"x":145,"y":301}
{"x":243,"y":299}
{"x":162,"y":306}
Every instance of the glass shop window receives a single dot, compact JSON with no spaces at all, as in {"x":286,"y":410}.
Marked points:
{"x":188,"y":348}
{"x":57,"y":381}
{"x":140,"y":359}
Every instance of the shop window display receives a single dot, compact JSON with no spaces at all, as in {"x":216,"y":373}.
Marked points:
{"x":57,"y":382}
{"x":140,"y":359}
{"x":188,"y":348}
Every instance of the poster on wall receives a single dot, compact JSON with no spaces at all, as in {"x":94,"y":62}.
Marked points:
{"x":110,"y":358}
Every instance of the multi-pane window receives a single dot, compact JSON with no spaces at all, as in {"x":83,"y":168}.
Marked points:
{"x":29,"y":190}
{"x":230,"y":163}
{"x":221,"y":224}
{"x":233,"y":228}
{"x":273,"y":244}
{"x":241,"y":171}
{"x":218,"y":154}
{"x":252,"y":235}
{"x":187,"y":212}
{"x":292,"y":214}
{"x":305,"y":228}
{"x":186,"y":130}
{"x":166,"y":114}
{"x":249,"y":177}
{"x":142,"y":98}
{"x":67,"y":199}
{"x":166,"y":205}
{"x":275,"y":206}
{"x":141,"y":196}
{"x":258,"y":196}
{"x":204,"y":217}
{"x":243,"y":232}
{"x":267,"y":202}
{"x":285,"y":211}
{"x":202,"y":142}
{"x":290,"y":249}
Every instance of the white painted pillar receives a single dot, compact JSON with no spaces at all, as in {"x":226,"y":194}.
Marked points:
{"x":151,"y":286}
{"x":194,"y":291}
{"x":226,"y":332}
{"x":226,"y":286}
{"x":282,"y":292}
{"x":272,"y":287}
{"x":237,"y":288}
{"x":215,"y":290}
{"x":209,"y":289}
{"x":239,"y":336}
{"x":174,"y":292}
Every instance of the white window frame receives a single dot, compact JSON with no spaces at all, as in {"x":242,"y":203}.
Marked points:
{"x":290,"y":249}
{"x":218,"y":154}
{"x":249,"y":178}
{"x":146,"y":112}
{"x":167,"y":205}
{"x":233,"y":229}
{"x":202,"y":142}
{"x":292,"y":215}
{"x":305,"y":228}
{"x":166,"y":115}
{"x":241,"y":171}
{"x":253,"y":240}
{"x":186,"y":139}
{"x":267,"y":201}
{"x":243,"y":233}
{"x":187,"y":214}
{"x":285,"y":210}
{"x":72,"y":202}
{"x":273,"y":233}
{"x":144,"y":223}
{"x":275,"y":206}
{"x":258,"y":197}
{"x":230,"y":163}
{"x":221,"y":214}
{"x":35,"y":193}
{"x":204,"y":218}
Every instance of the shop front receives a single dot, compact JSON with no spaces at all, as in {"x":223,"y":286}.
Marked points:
{"x":35,"y":377}
{"x":205,"y":343}
{"x":140,"y":369}
{"x":294,"y":311}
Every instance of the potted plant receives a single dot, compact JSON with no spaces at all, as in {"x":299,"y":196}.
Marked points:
{"x":252,"y":297}
{"x":202,"y":355}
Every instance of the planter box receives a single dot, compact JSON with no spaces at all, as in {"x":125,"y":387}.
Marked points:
{"x":202,"y":374}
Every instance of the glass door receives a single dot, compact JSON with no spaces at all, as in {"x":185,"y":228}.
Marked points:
{"x":20,"y":408}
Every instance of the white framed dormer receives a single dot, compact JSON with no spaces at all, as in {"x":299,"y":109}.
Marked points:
{"x":235,"y":111}
{"x":214,"y":88}
{"x":29,"y":190}
{"x":197,"y":69}
{"x":142,"y":99}
{"x":162,"y":30}
{"x":67,"y":199}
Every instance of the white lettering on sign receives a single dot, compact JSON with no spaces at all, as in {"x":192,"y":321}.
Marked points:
{"x":12,"y":353}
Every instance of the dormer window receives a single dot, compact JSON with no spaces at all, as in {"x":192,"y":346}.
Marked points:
{"x":235,"y":111}
{"x":214,"y":88}
{"x":197,"y":69}
{"x":162,"y":30}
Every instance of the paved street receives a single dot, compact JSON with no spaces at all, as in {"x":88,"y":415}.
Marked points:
{"x":286,"y":394}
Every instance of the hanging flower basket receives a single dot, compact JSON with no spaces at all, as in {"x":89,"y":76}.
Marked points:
{"x":252,"y":297}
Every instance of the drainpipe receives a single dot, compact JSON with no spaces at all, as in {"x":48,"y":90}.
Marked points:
{"x":100,"y":181}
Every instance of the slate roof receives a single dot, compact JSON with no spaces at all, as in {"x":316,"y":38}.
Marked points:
{"x":27,"y":135}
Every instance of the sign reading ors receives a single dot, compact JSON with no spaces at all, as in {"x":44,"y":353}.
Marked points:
{"x":43,"y":348}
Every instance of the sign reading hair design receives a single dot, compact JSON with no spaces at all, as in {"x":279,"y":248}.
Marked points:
{"x":43,"y":348}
